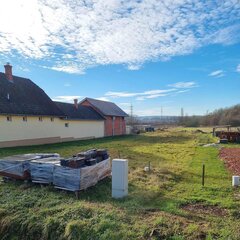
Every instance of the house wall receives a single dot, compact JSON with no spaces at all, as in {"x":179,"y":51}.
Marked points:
{"x":119,"y":123}
{"x":19,"y":133}
{"x":115,"y":126}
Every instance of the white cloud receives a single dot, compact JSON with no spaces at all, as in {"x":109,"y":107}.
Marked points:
{"x":238,"y":68}
{"x":68,"y":99}
{"x":183,"y":91}
{"x":140,"y":98}
{"x":183,"y":85}
{"x":67,"y":68}
{"x":67,"y":85}
{"x":125,"y":104}
{"x":147,"y":94}
{"x":158,"y":91}
{"x":151,"y":96}
{"x":70,"y":36}
{"x":24,"y":69}
{"x":103,"y":99}
{"x":225,"y":36}
{"x":155,"y":93}
{"x":217,"y":73}
{"x":121,"y":94}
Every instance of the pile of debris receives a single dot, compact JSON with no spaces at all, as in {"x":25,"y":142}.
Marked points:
{"x":78,"y":172}
{"x":228,"y":135}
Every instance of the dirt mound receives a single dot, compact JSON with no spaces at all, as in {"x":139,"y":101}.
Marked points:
{"x":231,"y":157}
{"x":200,"y":208}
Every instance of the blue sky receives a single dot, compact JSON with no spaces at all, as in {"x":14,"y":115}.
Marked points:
{"x":151,"y":54}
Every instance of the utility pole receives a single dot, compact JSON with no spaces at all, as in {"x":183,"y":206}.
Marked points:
{"x":182,"y":112}
{"x":182,"y":116}
{"x":131,"y":115}
{"x":161,"y":114}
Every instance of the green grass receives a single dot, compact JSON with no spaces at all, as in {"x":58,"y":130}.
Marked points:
{"x":153,"y":208}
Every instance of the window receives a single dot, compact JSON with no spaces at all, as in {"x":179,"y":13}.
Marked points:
{"x":52,"y":119}
{"x":9,"y":118}
{"x":25,"y":119}
{"x":40,"y":119}
{"x":66,"y":125}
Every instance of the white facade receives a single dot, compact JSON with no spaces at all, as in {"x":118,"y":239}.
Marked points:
{"x":14,"y":131}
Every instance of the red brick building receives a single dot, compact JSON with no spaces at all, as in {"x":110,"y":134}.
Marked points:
{"x":114,"y":123}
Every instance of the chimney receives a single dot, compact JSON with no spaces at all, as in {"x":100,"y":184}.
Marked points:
{"x":8,"y":71}
{"x":76,"y":103}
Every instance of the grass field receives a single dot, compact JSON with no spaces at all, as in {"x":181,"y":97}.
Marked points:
{"x":167,"y":203}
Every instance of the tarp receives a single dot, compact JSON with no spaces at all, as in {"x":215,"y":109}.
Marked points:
{"x":18,"y":166}
{"x":66,"y":177}
{"x":78,"y":179}
{"x":42,"y":169}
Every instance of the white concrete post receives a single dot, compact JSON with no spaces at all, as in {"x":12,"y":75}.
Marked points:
{"x":235,"y":181}
{"x":119,"y":178}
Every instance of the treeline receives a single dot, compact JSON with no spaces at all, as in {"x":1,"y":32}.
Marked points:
{"x":223,"y":116}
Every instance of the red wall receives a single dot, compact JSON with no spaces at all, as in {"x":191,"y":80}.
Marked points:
{"x":119,"y":123}
{"x":116,"y":127}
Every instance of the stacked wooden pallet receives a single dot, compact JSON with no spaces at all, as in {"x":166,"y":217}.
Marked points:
{"x":42,"y":169}
{"x":76,"y":179}
{"x":18,"y":166}
{"x":79,"y":172}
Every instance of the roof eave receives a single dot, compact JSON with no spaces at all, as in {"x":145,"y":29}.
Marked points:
{"x":32,"y":115}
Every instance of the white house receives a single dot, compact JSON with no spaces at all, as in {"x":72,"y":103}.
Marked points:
{"x":28,"y":116}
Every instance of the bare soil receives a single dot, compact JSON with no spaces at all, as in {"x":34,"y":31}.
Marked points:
{"x":231,"y":157}
{"x":200,"y":208}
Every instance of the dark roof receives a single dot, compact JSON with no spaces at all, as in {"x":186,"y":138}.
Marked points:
{"x":106,"y":108}
{"x":81,"y":113}
{"x":23,"y":97}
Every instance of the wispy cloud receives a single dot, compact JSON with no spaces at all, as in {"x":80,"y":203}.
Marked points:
{"x":103,"y":99}
{"x":67,"y":85}
{"x":225,"y":36}
{"x":121,"y":94}
{"x":183,"y":85}
{"x":238,"y":68}
{"x":217,"y":73}
{"x":71,"y":36}
{"x":68,"y":99}
{"x":146,"y":94}
{"x":183,"y":91}
{"x":151,"y":96}
{"x":155,"y":93}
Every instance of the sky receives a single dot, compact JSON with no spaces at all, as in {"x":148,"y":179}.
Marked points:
{"x":150,"y":54}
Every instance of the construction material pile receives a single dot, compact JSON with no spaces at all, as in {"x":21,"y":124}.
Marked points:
{"x":18,"y":166}
{"x":227,"y":136}
{"x":42,"y":169}
{"x":83,"y":170}
{"x":79,"y":172}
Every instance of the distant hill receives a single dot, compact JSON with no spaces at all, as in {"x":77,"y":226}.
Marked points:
{"x":171,"y":120}
{"x":158,"y":119}
{"x":223,"y":116}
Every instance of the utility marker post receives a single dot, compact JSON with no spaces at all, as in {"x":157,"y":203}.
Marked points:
{"x":119,"y":178}
{"x":203,"y":175}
